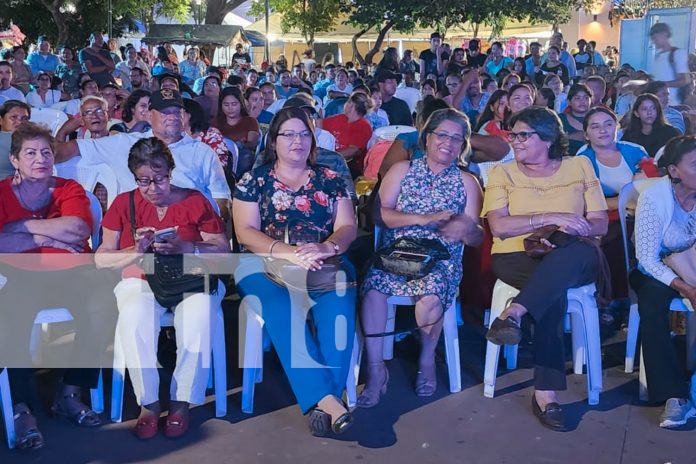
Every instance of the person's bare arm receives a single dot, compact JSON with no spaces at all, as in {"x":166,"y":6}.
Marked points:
{"x":466,"y":227}
{"x":68,"y":229}
{"x":396,"y":153}
{"x":503,"y":225}
{"x":109,"y":256}
{"x":63,"y":151}
{"x":70,"y":126}
{"x":488,"y":148}
{"x":467,"y":79}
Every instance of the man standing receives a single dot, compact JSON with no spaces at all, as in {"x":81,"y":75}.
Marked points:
{"x":583,"y":57}
{"x":7,"y":92}
{"x":565,"y":58}
{"x":474,"y":57}
{"x":533,"y":62}
{"x":397,"y":109}
{"x":97,"y":60}
{"x":433,"y":60}
{"x":240,"y":57}
{"x":671,"y":63}
{"x":43,"y":60}
{"x":197,"y":165}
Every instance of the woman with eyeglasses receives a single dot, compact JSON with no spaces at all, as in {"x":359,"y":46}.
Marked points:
{"x":579,"y":100}
{"x":542,"y":187}
{"x":294,"y":209}
{"x":43,"y":96}
{"x":159,"y":205}
{"x":647,"y":126}
{"x":425,"y":198}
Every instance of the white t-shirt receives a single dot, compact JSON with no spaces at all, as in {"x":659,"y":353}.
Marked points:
{"x":614,"y":178}
{"x":197,"y":165}
{"x":52,"y":97}
{"x":325,"y":139}
{"x":410,"y":95}
{"x":664,"y":71}
{"x":12,"y":93}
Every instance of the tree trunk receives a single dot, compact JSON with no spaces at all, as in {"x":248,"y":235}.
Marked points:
{"x":357,"y":56}
{"x":378,"y":43}
{"x":216,"y":10}
{"x":476,"y":30}
{"x":59,"y":18}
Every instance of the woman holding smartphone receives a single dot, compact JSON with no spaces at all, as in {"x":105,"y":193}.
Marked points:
{"x":171,"y":221}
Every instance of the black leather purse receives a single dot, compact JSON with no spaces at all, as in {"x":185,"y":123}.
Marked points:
{"x":167,"y":277}
{"x":410,"y":257}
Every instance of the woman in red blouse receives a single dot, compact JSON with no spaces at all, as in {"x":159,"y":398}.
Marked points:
{"x":234,"y":121}
{"x":160,"y":205}
{"x":352,"y":130}
{"x":45,"y":222}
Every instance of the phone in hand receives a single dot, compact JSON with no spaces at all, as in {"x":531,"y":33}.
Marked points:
{"x":163,"y":235}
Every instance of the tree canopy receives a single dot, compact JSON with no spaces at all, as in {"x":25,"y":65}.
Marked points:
{"x":308,"y":17}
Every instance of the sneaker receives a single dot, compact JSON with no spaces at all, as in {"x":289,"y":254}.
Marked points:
{"x":676,"y":414}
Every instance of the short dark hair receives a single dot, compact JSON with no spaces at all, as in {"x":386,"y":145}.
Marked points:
{"x":151,"y":152}
{"x":549,"y":96}
{"x":84,"y":83}
{"x":131,"y":101}
{"x":674,"y":152}
{"x":659,"y":28}
{"x":29,"y":131}
{"x":283,"y":115}
{"x":9,"y":104}
{"x":6,"y":63}
{"x":430,"y":105}
{"x":578,"y":88}
{"x":547,"y":126}
{"x":197,"y":118}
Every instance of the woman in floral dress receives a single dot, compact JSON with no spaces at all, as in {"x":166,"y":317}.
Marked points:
{"x":293,"y":209}
{"x":425,"y":198}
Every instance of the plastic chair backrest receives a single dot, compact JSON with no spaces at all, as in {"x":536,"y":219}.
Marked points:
{"x":390,"y":132}
{"x":87,"y":175}
{"x":96,"y":210}
{"x":52,"y":118}
{"x":629,"y":194}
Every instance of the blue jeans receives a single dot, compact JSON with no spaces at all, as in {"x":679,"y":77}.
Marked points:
{"x":315,"y":361}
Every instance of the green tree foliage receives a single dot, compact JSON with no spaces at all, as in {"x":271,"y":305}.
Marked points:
{"x":308,"y":17}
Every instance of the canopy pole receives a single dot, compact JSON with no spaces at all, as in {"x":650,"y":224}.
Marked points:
{"x":268,"y":43}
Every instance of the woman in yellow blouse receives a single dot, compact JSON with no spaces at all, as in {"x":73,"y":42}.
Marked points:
{"x":542,"y":187}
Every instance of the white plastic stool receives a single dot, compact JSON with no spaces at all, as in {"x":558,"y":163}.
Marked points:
{"x":251,"y":331}
{"x":219,"y":369}
{"x":7,"y":412}
{"x":677,"y":305}
{"x":583,"y":311}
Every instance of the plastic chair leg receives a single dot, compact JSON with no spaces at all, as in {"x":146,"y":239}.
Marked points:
{"x":690,"y":341}
{"x":578,"y":336}
{"x":593,"y":347}
{"x":491,"y":369}
{"x":220,"y":366}
{"x":510,"y":353}
{"x":632,"y":337}
{"x":642,"y":380}
{"x":97,"y":394}
{"x":451,"y":335}
{"x":253,"y":357}
{"x":7,"y":412}
{"x":118,"y":381}
{"x":354,"y":371}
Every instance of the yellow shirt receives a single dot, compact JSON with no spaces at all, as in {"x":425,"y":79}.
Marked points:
{"x":573,"y":188}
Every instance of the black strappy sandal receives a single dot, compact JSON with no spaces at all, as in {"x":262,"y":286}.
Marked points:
{"x":28,"y":435}
{"x":84,"y":416}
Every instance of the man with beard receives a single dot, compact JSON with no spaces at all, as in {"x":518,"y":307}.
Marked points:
{"x":197,"y":165}
{"x":469,"y":98}
{"x":137,"y":80}
{"x":7,"y":92}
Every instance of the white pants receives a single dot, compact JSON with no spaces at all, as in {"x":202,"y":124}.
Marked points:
{"x":138,"y":330}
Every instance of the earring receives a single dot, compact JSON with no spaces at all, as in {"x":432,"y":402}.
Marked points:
{"x":675,"y":180}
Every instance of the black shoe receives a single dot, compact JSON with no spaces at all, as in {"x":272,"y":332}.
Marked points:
{"x":504,"y":332}
{"x":552,"y":417}
{"x":343,"y":423}
{"x":319,"y":423}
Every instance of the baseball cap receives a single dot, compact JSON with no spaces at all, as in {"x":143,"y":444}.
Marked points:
{"x":384,"y":75}
{"x":164,"y":99}
{"x":296,"y":102}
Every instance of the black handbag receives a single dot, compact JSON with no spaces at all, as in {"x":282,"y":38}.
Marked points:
{"x":411,"y":257}
{"x":334,"y":273}
{"x":167,"y":277}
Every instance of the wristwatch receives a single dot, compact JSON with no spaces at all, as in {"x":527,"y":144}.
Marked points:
{"x":335,"y":246}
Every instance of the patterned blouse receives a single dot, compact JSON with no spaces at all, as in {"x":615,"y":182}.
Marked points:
{"x":213,"y":138}
{"x":307,"y":214}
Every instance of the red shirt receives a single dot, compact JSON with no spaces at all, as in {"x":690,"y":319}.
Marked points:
{"x":240,"y":131}
{"x":192,"y":215}
{"x":356,"y":133}
{"x":67,"y":199}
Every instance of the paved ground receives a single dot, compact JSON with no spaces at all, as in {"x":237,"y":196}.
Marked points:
{"x":464,"y":427}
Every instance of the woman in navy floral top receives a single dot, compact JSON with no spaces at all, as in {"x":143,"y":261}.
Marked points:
{"x":294,"y":209}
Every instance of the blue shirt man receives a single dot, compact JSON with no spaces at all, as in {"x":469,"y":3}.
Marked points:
{"x":43,"y":59}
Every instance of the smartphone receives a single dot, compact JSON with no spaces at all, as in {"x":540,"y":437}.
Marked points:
{"x":407,"y":256}
{"x":163,"y":235}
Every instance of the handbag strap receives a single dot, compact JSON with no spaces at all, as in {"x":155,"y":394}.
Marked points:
{"x":131,"y":210}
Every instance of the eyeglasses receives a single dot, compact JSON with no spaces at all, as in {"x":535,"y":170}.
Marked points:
{"x":94,"y":112}
{"x":304,"y":135}
{"x":520,"y":136}
{"x":145,"y":181}
{"x":445,"y":137}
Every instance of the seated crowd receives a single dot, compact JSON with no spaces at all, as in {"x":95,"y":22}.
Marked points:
{"x":274,"y":164}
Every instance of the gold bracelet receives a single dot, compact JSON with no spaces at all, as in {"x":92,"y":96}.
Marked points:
{"x":270,"y":247}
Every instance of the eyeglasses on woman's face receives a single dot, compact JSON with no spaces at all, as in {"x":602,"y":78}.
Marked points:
{"x":520,"y":136}
{"x":445,"y":137}
{"x":145,"y":182}
{"x":292,"y":135}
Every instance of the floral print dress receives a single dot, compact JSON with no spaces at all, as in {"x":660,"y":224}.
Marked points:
{"x":307,"y":214}
{"x":424,"y":192}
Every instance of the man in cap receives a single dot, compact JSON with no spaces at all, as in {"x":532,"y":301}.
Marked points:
{"x":671,"y":63}
{"x":474,"y":57}
{"x":197,"y":165}
{"x":397,"y":109}
{"x":240,"y":57}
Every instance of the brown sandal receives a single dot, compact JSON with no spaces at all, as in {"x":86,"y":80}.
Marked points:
{"x":28,"y":435}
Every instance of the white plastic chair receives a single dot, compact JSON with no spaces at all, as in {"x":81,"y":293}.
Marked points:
{"x":582,"y":308}
{"x":7,"y":412}
{"x":390,"y":132}
{"x":251,"y":331}
{"x":88,"y":174}
{"x":629,"y":194}
{"x":218,"y":375}
{"x":52,"y":118}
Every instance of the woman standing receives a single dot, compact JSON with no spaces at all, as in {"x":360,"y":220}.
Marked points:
{"x":69,"y":70}
{"x":44,"y":96}
{"x":647,"y":126}
{"x":579,"y":98}
{"x":541,"y":188}
{"x":352,"y":131}
{"x":22,"y":77}
{"x":234,"y":121}
{"x":157,"y":205}
{"x":293,"y":209}
{"x":495,"y":62}
{"x":425,"y":198}
{"x":552,"y":65}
